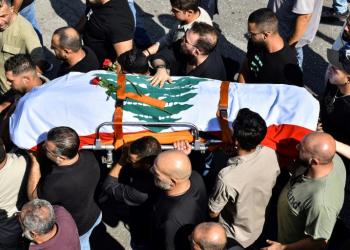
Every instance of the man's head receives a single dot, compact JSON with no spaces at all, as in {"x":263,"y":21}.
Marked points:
{"x":346,"y":31}
{"x":208,"y":236}
{"x":262,"y":23}
{"x":249,"y":129}
{"x":183,"y":9}
{"x":37,"y":219}
{"x":65,"y":42}
{"x":20,"y":73}
{"x":61,"y":144}
{"x":6,"y":13}
{"x":134,"y":62}
{"x":170,"y":169}
{"x":143,"y":151}
{"x":201,"y":39}
{"x":339,"y":72}
{"x":316,"y":149}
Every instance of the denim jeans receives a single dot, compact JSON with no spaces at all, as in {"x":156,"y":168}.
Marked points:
{"x":84,"y":239}
{"x":29,"y":14}
{"x":141,"y":37}
{"x":340,"y":5}
{"x":300,"y":56}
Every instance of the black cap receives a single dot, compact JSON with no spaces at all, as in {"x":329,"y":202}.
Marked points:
{"x":333,"y":58}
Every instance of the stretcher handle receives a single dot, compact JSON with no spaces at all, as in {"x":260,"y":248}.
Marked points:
{"x":159,"y":124}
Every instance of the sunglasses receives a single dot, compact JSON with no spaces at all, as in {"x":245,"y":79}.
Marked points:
{"x":184,"y":38}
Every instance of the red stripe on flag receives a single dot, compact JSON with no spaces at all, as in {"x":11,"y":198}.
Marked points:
{"x":284,"y":139}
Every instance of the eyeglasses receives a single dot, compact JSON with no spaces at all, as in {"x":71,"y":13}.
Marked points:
{"x":344,"y":53}
{"x":184,"y":38}
{"x":254,"y":34}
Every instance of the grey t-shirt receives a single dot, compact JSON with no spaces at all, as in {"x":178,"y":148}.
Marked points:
{"x":242,"y":192}
{"x":308,"y":207}
{"x":287,"y":12}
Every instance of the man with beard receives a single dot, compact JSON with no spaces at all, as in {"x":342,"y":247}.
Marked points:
{"x":182,"y":204}
{"x":72,"y":181}
{"x":193,"y":55}
{"x":108,"y":28}
{"x":48,"y":227}
{"x":16,"y":36}
{"x":310,"y":202}
{"x":269,"y":58}
{"x":67,"y":46}
{"x":21,"y":76}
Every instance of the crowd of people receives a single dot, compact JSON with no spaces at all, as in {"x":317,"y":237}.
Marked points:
{"x":52,"y":200}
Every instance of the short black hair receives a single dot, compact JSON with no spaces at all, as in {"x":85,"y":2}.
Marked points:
{"x":2,"y":151}
{"x":134,"y":61}
{"x":265,"y":20}
{"x":7,"y":2}
{"x":186,"y":5}
{"x":66,"y":141}
{"x":249,"y":129}
{"x":145,"y":146}
{"x":208,"y":37}
{"x":19,"y":64}
{"x":67,"y":41}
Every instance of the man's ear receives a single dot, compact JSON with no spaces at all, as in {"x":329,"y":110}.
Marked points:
{"x":26,"y":79}
{"x":67,"y":51}
{"x":347,"y":79}
{"x":173,"y":182}
{"x":314,"y":161}
{"x":189,"y":13}
{"x":61,"y":158}
{"x":33,"y":234}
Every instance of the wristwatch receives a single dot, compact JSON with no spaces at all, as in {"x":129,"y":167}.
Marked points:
{"x":161,"y":66}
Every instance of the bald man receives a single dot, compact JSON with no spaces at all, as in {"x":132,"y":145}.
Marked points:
{"x":208,"y":236}
{"x":66,"y":44}
{"x":310,"y":202}
{"x":182,"y":204}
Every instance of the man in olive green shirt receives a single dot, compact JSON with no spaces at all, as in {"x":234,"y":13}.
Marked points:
{"x":17,"y":36}
{"x":310,"y":202}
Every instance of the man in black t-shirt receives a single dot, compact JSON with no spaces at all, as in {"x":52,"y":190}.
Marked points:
{"x":67,"y":46}
{"x":269,"y":59}
{"x":72,"y":181}
{"x":131,"y":182}
{"x":108,"y":28}
{"x":181,"y":206}
{"x":193,"y":55}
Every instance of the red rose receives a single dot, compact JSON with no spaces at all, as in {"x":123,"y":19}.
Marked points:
{"x":95,"y":81}
{"x":106,"y":63}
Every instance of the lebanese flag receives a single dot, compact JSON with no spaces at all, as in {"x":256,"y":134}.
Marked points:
{"x":71,"y":100}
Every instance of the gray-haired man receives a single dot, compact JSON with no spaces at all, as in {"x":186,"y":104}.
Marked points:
{"x":48,"y":227}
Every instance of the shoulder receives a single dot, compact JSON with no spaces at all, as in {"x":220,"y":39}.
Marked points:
{"x":204,"y":17}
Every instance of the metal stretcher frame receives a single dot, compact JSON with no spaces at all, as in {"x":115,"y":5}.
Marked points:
{"x":197,"y":144}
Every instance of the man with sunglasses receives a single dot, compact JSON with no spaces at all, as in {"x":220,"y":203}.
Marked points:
{"x":130,"y":181}
{"x":269,"y":59}
{"x":194,"y":55}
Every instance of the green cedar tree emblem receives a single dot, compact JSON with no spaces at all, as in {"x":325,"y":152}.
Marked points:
{"x":176,"y":96}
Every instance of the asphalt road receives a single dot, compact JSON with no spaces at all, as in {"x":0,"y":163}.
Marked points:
{"x":155,"y":14}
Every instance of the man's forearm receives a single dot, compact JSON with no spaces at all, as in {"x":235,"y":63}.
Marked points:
{"x":306,"y":244}
{"x":16,"y":4}
{"x":33,"y":180}
{"x":81,"y":24}
{"x":151,"y":50}
{"x":244,"y":74}
{"x":157,"y":62}
{"x":300,"y":27}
